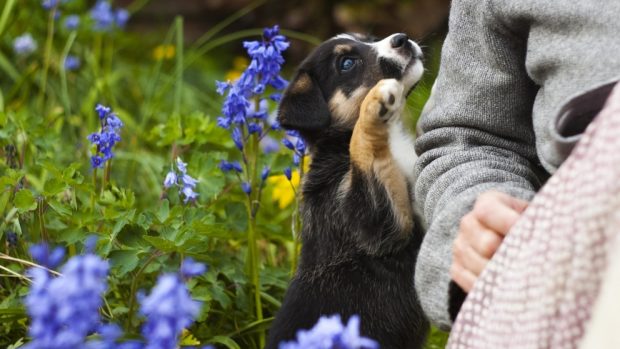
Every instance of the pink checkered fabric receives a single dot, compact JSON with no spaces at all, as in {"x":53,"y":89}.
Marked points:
{"x":539,"y":288}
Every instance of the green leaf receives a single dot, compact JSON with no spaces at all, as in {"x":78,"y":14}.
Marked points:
{"x":227,"y":341}
{"x":59,"y":208}
{"x":24,"y":201}
{"x":53,"y":186}
{"x":164,"y":211}
{"x":160,"y":243}
{"x":124,"y":260}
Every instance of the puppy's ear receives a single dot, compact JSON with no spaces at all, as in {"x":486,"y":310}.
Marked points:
{"x":303,"y":106}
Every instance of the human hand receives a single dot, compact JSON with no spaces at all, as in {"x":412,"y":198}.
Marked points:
{"x":480,"y":233}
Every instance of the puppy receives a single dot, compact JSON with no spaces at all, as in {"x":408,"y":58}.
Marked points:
{"x":359,"y":240}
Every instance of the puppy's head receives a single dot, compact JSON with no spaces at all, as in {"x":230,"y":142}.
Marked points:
{"x":330,"y":84}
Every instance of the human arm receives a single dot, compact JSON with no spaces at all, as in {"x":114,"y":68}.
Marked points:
{"x":477,"y":136}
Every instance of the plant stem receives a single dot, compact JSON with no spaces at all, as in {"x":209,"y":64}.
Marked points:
{"x":297,"y":219}
{"x":178,"y":86}
{"x":63,"y":74}
{"x":134,"y":286}
{"x":254,"y":268}
{"x":92,"y":195}
{"x":46,"y":60}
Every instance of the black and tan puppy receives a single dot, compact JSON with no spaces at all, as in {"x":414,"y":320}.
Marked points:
{"x":359,"y":236}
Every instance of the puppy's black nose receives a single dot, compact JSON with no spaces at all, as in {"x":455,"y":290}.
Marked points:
{"x":399,"y":40}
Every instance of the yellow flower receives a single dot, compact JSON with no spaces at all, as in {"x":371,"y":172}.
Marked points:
{"x":163,"y":52}
{"x":239,"y":65}
{"x":282,"y":188}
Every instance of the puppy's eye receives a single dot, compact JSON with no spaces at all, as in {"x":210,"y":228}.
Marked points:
{"x":347,"y":64}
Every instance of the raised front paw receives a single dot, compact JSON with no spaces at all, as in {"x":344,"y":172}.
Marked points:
{"x":384,"y":100}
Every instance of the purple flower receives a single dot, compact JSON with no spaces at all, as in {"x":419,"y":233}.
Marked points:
{"x":72,"y":22}
{"x":65,"y":310}
{"x":225,"y":166}
{"x":269,"y":145}
{"x":265,"y":173}
{"x":11,"y":238}
{"x":182,"y":166}
{"x":102,"y":111}
{"x":49,"y":4}
{"x":237,"y":138}
{"x":191,"y":268}
{"x":170,"y":180}
{"x":221,"y":87}
{"x":189,"y":181}
{"x":168,"y":310}
{"x":24,"y":45}
{"x":106,"y":138}
{"x":246,"y":187}
{"x":72,"y":63}
{"x":189,"y":193}
{"x":121,"y":17}
{"x":103,"y":16}
{"x":287,"y":143}
{"x":240,"y":106}
{"x":288,"y":173}
{"x":329,"y":333}
{"x":42,"y":255}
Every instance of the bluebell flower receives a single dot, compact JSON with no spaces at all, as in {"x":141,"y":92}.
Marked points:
{"x":288,"y":173}
{"x":246,"y":187}
{"x":265,"y":173}
{"x":191,"y":268}
{"x":182,"y":166}
{"x":102,"y":111}
{"x":237,"y":138}
{"x":11,"y":238}
{"x":189,"y":193}
{"x":106,"y":18}
{"x":72,"y":63}
{"x":168,"y":310}
{"x":103,"y":16}
{"x":170,"y":180}
{"x":64,"y":310}
{"x":269,"y":145}
{"x":189,"y":181}
{"x":240,"y":104}
{"x":287,"y":143}
{"x":255,"y":128}
{"x":49,"y":4}
{"x":41,"y":254}
{"x":106,"y":138}
{"x":24,"y":45}
{"x":72,"y":22}
{"x":329,"y":333}
{"x":226,"y":166}
{"x":121,"y":17}
{"x":221,"y":87}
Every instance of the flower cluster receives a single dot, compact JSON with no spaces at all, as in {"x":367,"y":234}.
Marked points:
{"x":169,"y":309}
{"x":245,"y":111}
{"x":72,"y":22}
{"x":184,"y":181}
{"x":64,"y":310}
{"x":106,"y":18}
{"x":106,"y":138}
{"x":329,"y":333}
{"x":24,"y":45}
{"x":72,"y":63}
{"x":264,"y":69}
{"x":296,"y":143}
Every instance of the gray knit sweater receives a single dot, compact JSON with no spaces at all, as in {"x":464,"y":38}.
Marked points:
{"x":507,"y":68}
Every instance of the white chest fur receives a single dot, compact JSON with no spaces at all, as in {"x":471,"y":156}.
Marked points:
{"x":401,"y":147}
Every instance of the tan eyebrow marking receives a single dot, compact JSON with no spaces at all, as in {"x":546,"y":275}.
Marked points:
{"x":342,"y":48}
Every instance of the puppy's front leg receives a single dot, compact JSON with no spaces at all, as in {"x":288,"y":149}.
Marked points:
{"x":371,"y":157}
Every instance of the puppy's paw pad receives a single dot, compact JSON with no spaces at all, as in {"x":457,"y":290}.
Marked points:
{"x":391,"y":92}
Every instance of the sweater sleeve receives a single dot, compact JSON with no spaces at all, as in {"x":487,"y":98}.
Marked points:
{"x":477,"y":135}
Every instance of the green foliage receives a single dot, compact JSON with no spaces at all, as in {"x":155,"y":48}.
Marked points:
{"x":48,"y":192}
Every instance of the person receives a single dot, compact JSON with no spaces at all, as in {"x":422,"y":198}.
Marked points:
{"x":490,"y":138}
